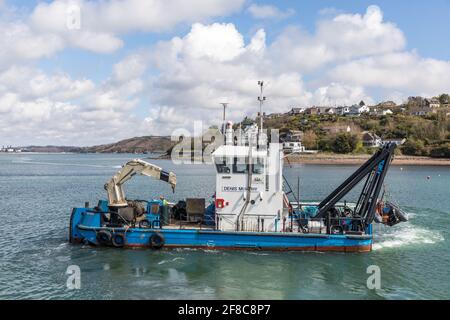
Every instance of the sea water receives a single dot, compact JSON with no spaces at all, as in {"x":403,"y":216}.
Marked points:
{"x":38,"y":191}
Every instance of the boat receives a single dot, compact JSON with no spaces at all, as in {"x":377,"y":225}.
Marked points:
{"x":253,"y":208}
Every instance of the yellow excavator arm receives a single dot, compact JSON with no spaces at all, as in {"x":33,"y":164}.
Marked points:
{"x":113,"y":187}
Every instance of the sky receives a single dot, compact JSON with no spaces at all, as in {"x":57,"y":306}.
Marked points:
{"x":87,"y":72}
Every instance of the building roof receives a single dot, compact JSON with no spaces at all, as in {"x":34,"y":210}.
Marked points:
{"x":369,"y":136}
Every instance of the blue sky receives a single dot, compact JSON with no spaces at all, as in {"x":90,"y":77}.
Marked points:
{"x":134,"y":64}
{"x":425,"y":23}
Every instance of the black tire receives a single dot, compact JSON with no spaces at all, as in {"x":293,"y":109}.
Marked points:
{"x":118,"y":240}
{"x":144,"y":224}
{"x":156,"y":241}
{"x":104,"y":237}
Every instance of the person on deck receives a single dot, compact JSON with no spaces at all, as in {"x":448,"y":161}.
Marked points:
{"x":163,"y":200}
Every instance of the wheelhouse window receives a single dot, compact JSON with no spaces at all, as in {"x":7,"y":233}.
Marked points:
{"x":258,"y":166}
{"x":240,"y":165}
{"x":222,"y":166}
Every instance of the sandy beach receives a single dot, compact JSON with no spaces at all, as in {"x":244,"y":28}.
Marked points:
{"x":323,"y":158}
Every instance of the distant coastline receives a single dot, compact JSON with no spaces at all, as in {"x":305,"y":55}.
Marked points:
{"x":345,"y":159}
{"x":318,"y":158}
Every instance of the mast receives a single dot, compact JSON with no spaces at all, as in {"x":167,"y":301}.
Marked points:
{"x":261,"y":100}
{"x":225,"y":105}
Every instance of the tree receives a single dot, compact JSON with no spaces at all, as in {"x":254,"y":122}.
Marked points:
{"x":414,"y":147}
{"x":444,"y":98}
{"x":442,"y":151}
{"x":362,"y":103}
{"x":324,"y":144}
{"x":345,"y":143}
{"x":310,"y":140}
{"x":415,"y":102}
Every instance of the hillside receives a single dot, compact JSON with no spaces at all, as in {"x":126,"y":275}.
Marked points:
{"x":425,"y":135}
{"x":51,"y":149}
{"x":151,"y":144}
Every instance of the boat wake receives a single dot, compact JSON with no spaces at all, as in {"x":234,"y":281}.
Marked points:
{"x":406,"y":235}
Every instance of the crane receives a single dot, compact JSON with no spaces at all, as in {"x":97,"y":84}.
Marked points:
{"x":113,"y":187}
{"x":374,"y":171}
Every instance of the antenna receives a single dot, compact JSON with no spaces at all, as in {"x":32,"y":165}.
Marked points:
{"x":261,"y":100}
{"x":225,"y":105}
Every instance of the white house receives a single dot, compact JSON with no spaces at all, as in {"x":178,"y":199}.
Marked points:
{"x":371,"y":140}
{"x":293,"y":147}
{"x":398,"y":142}
{"x":385,"y":112}
{"x":357,"y":109}
{"x":295,"y":111}
{"x":342,"y":110}
{"x":431,"y":103}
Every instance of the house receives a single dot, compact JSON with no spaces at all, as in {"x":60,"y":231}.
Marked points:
{"x":10,"y":149}
{"x":312,"y":111}
{"x":296,"y":111}
{"x":431,"y":103}
{"x":343,"y":110}
{"x":371,"y":140}
{"x":272,"y":115}
{"x":357,"y":109}
{"x":293,"y":147}
{"x":326,"y":110}
{"x":424,"y":111}
{"x":291,"y":136}
{"x":398,"y":142}
{"x":384,"y":112}
{"x":387,"y":105}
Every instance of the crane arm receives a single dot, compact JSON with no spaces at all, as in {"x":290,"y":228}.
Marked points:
{"x":113,"y":187}
{"x":374,"y":171}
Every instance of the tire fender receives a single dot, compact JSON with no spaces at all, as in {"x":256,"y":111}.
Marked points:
{"x":104,"y":237}
{"x":157,"y":240}
{"x":118,"y":240}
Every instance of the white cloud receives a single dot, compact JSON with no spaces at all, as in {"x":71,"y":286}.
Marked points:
{"x":101,"y":24}
{"x":195,"y":74}
{"x":344,"y":37}
{"x":348,"y":58}
{"x":405,"y":71}
{"x":218,"y":42}
{"x":336,"y":94}
{"x":268,"y":12}
{"x":36,"y":107}
{"x":130,"y":68}
{"x":18,"y":42}
{"x":123,"y":16}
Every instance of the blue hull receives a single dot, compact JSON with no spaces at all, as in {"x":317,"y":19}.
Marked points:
{"x":86,"y":225}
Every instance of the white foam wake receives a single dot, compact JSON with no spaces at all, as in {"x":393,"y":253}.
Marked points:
{"x":406,"y":235}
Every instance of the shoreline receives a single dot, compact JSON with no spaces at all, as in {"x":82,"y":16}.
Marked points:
{"x":317,"y":158}
{"x":333,"y":159}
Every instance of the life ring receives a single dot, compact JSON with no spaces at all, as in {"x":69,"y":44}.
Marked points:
{"x":118,"y":240}
{"x":156,"y":241}
{"x":337,"y":230}
{"x":104,"y":237}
